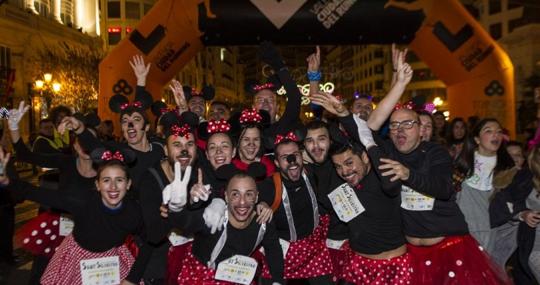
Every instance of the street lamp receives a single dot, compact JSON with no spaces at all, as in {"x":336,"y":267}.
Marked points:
{"x":45,"y":87}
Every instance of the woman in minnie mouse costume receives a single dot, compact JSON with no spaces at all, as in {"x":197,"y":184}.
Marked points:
{"x":103,"y":219}
{"x":248,"y":127}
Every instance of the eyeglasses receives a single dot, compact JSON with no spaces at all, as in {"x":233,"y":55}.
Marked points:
{"x":264,"y":100}
{"x":408,"y":124}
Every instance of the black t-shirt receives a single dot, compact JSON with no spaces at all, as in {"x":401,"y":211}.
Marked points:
{"x":239,"y":241}
{"x":300,"y":203}
{"x":378,"y":228}
{"x":327,"y":179}
{"x":97,"y":228}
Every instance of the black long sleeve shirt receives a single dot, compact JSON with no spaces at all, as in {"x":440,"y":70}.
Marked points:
{"x":97,"y":228}
{"x":69,"y":179}
{"x":430,"y":173}
{"x":239,"y":241}
{"x":378,"y":228}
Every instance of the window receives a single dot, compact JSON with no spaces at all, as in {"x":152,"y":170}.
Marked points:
{"x":495,"y":31}
{"x":5,"y":57}
{"x":379,"y":69}
{"x":512,"y":4}
{"x":66,"y":13}
{"x":43,"y":7}
{"x":515,"y":23}
{"x":115,"y":35}
{"x":494,"y":6}
{"x":379,"y":53}
{"x":379,"y":84}
{"x":113,"y":9}
{"x":133,"y":10}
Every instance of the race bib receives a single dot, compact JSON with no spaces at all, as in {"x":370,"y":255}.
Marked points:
{"x":284,"y":246}
{"x":100,"y":271}
{"x":237,"y":269}
{"x":415,"y":201}
{"x":177,"y":239}
{"x":66,"y":225}
{"x":335,"y":244}
{"x":345,"y":203}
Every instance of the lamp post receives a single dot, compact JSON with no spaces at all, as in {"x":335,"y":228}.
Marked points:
{"x":46,"y":87}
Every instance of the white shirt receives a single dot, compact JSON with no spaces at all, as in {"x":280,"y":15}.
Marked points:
{"x":482,"y":178}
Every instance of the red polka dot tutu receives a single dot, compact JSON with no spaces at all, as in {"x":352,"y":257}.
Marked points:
{"x":40,"y":235}
{"x":363,"y":270}
{"x":195,"y":272}
{"x":339,"y":259}
{"x":64,"y":268}
{"x":309,"y":257}
{"x":175,"y":257}
{"x":457,"y":260}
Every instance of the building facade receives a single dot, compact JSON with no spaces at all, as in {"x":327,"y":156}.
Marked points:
{"x":34,"y":34}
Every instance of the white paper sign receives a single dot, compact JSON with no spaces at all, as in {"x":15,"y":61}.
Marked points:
{"x":237,"y":269}
{"x":178,"y":239}
{"x":100,"y":271}
{"x":284,"y":246}
{"x":66,"y":225}
{"x":345,"y":203}
{"x":414,"y":201}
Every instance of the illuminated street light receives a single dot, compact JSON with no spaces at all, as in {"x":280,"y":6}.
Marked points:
{"x":438,"y":101}
{"x":56,"y":87}
{"x":39,"y":84}
{"x":47,"y":77}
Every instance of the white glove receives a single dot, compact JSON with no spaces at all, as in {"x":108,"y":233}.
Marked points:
{"x":15,"y":116}
{"x":365,"y":134}
{"x":214,"y":214}
{"x":175,"y":194}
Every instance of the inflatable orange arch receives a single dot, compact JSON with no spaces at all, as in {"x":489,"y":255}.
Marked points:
{"x":477,"y":72}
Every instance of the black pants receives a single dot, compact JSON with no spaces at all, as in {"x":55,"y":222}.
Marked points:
{"x":7,"y":229}
{"x":39,"y":264}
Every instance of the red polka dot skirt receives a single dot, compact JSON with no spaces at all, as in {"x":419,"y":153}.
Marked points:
{"x":363,"y":270}
{"x":457,"y":260}
{"x":40,"y":235}
{"x":339,"y":259}
{"x":175,"y":258}
{"x":309,"y":257}
{"x":64,"y":267}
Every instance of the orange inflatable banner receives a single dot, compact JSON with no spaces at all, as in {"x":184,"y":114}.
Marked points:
{"x":477,"y":72}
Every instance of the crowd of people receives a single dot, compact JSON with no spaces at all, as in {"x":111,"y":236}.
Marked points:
{"x":360,"y":195}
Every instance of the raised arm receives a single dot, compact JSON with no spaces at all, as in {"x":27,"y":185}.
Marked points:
{"x":140,"y":69}
{"x":313,"y":71}
{"x":386,"y":106}
{"x":270,"y":55}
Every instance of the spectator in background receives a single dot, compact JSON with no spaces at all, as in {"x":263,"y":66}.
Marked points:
{"x":515,"y":149}
{"x":219,"y":110}
{"x":456,"y":137}
{"x":440,"y":124}
{"x":61,"y":141}
{"x":106,"y":131}
{"x":362,"y":106}
{"x":44,"y":142}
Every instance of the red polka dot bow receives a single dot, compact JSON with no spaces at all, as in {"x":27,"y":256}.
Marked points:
{"x":250,"y":116}
{"x":136,"y":104}
{"x":220,"y":126}
{"x":108,"y":155}
{"x":263,"y":86}
{"x":408,"y":106}
{"x":289,"y":136}
{"x":181,"y":131}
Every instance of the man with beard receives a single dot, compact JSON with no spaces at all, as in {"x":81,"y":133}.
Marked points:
{"x":362,"y":106}
{"x":180,"y":147}
{"x":317,"y":144}
{"x":219,"y":110}
{"x":377,"y":253}
{"x":300,"y":227}
{"x":433,"y":224}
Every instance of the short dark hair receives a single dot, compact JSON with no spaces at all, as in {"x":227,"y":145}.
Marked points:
{"x":338,"y":148}
{"x":514,"y":143}
{"x":220,"y":103}
{"x":316,"y":124}
{"x":285,"y":141}
{"x":55,"y":112}
{"x":44,"y":121}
